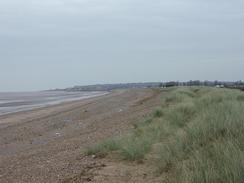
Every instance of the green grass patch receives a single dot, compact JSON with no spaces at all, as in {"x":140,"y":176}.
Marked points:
{"x":158,"y":113}
{"x":135,"y":148}
{"x":103,"y":148}
{"x":240,"y":98}
{"x":179,"y":115}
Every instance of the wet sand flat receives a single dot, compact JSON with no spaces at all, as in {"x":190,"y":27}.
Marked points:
{"x":22,"y":101}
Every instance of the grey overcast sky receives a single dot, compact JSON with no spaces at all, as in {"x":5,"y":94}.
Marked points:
{"x":60,"y":43}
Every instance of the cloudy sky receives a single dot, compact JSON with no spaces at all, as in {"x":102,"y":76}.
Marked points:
{"x":60,"y":43}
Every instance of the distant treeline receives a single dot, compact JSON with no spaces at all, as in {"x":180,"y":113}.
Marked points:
{"x":109,"y":87}
{"x":221,"y":84}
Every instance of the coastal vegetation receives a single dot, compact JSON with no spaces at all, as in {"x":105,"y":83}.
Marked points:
{"x":196,"y":135}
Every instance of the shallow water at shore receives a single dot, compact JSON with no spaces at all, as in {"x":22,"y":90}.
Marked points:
{"x":21,"y":101}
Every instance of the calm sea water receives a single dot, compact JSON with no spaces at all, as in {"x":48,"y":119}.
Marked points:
{"x":22,"y":101}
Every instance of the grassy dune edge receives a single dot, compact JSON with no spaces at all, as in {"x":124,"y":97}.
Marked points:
{"x":196,"y":135}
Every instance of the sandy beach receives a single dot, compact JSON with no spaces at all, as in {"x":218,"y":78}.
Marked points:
{"x":44,"y":145}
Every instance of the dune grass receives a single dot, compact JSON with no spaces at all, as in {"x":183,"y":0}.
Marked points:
{"x":103,"y":148}
{"x":199,"y":133}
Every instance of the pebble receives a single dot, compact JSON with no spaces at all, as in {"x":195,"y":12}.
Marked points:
{"x":93,"y":156}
